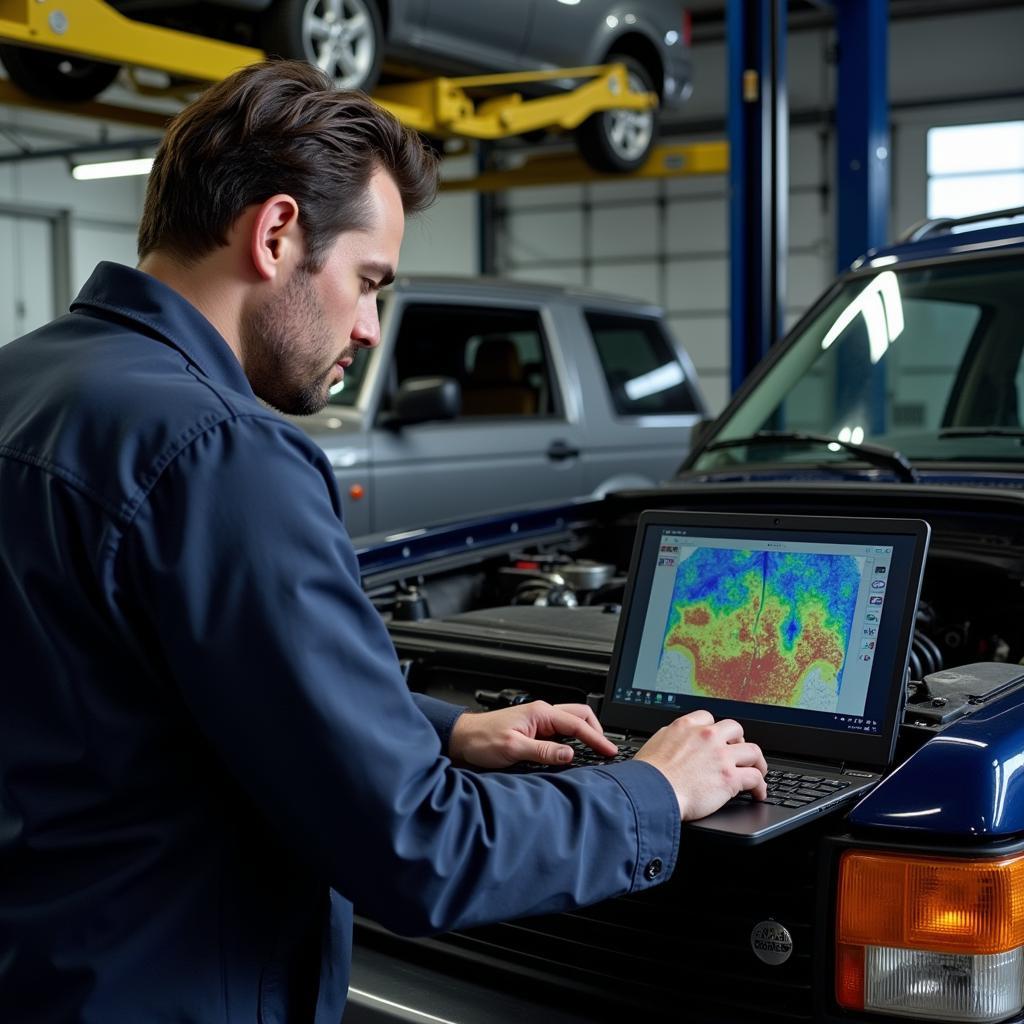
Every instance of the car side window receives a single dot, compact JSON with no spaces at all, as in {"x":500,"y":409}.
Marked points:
{"x":643,"y":374}
{"x":346,"y":392}
{"x":498,"y":356}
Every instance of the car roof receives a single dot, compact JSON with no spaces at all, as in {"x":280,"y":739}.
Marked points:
{"x":980,"y":234}
{"x":483,"y":284}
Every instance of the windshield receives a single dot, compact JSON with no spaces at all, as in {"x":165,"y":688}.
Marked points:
{"x":926,"y":361}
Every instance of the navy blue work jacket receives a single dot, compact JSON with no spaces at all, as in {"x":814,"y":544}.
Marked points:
{"x":207,"y":750}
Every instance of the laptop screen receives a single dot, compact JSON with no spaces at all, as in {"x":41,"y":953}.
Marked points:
{"x":789,"y":621}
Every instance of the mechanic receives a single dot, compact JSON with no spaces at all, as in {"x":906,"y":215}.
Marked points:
{"x":208,"y":752}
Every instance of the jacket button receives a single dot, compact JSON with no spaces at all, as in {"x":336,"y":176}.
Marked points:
{"x":653,"y":869}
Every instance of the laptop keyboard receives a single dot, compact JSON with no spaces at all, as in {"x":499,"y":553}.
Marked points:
{"x":583,"y":757}
{"x":785,"y":788}
{"x":792,"y":789}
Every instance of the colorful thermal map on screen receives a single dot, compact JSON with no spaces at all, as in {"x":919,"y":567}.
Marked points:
{"x":766,"y":626}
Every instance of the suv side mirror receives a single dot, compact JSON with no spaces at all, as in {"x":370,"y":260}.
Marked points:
{"x":420,"y":399}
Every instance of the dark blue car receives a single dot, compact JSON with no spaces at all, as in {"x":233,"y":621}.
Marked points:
{"x":900,"y":394}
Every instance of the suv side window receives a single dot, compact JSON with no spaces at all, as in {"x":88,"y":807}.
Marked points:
{"x":498,"y":356}
{"x":347,"y":392}
{"x":643,"y":374}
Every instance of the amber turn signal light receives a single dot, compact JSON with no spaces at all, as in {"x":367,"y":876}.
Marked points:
{"x":931,"y":903}
{"x":916,"y":935}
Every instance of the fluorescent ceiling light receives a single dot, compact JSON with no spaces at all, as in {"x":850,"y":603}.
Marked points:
{"x":111,"y":169}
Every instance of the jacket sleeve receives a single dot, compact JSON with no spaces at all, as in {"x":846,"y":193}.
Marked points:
{"x":441,"y":715}
{"x":239,"y":564}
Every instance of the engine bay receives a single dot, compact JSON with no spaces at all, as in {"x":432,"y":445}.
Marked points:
{"x":538,"y":620}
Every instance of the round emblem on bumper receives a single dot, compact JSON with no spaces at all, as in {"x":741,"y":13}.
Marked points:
{"x":771,"y":942}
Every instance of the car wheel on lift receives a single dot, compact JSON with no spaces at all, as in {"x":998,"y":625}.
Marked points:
{"x":56,"y":76}
{"x":620,"y":141}
{"x":344,"y":38}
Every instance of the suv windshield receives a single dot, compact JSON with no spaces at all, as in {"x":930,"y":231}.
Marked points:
{"x":925,"y":360}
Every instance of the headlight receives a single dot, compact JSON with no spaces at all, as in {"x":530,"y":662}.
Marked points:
{"x":930,"y":937}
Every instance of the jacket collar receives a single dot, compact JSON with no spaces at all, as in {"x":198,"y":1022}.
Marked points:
{"x":158,"y":310}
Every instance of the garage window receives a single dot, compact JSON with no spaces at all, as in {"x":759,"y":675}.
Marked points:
{"x":974,"y":168}
{"x":498,"y":356}
{"x":643,"y":373}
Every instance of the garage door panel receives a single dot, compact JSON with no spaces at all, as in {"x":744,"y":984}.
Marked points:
{"x":569,"y":274}
{"x":808,"y":278}
{"x":625,"y":230}
{"x":637,"y":280}
{"x":543,"y":235}
{"x":698,"y":285}
{"x":700,"y":226}
{"x":808,"y":221}
{"x":706,"y":339}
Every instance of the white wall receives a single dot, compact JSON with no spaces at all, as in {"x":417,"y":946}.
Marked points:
{"x":443,"y":239}
{"x":26,"y":287}
{"x":103,"y":220}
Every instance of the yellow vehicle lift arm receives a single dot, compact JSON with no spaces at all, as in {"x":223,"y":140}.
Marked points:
{"x":439,"y":106}
{"x":484,"y":107}
{"x":91,"y":28}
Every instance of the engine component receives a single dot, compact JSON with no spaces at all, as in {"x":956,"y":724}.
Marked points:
{"x":410,"y":605}
{"x":942,"y":697}
{"x":548,"y":592}
{"x":552,"y":581}
{"x":584,"y":575}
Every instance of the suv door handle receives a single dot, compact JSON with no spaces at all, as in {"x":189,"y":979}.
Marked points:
{"x":560,"y":450}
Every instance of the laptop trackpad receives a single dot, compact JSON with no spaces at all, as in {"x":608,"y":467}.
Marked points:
{"x":753,"y":821}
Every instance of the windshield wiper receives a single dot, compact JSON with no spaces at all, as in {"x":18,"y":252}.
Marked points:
{"x":875,"y":454}
{"x":982,"y":432}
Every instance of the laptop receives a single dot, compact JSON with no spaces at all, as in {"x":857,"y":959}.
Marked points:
{"x":798,"y":627}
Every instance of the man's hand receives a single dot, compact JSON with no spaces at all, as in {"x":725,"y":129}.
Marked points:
{"x":706,"y":762}
{"x":498,"y":739}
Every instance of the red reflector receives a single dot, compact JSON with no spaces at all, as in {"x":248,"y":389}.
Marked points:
{"x":850,"y":976}
{"x":687,"y":28}
{"x":527,"y":565}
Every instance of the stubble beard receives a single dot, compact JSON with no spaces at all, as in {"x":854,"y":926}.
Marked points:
{"x":287,"y":343}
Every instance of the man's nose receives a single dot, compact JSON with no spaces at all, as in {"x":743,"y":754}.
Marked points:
{"x":366,"y":330}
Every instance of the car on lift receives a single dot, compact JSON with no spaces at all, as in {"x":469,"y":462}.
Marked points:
{"x":899,"y":394}
{"x":351,"y":40}
{"x":485,"y":393}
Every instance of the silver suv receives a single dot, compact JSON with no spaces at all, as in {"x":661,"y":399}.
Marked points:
{"x":486,"y":394}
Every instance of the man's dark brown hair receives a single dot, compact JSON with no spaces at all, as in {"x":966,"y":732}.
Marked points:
{"x":277,"y":127}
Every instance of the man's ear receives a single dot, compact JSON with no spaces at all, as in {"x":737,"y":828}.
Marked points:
{"x":276,"y":237}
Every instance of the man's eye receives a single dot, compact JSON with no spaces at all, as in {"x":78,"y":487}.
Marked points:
{"x":368,"y":285}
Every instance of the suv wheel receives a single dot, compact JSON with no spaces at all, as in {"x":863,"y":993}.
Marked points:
{"x":620,"y":140}
{"x":56,"y":76}
{"x":344,"y":38}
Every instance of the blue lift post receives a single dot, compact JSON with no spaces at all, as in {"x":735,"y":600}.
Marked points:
{"x":758,"y":179}
{"x":862,"y":128}
{"x":862,"y":183}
